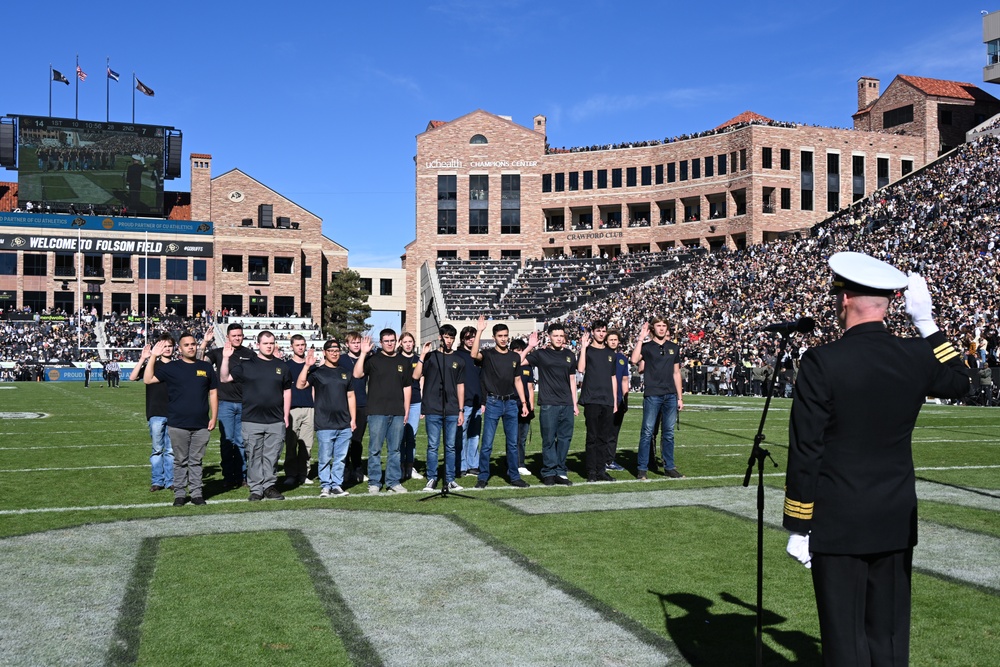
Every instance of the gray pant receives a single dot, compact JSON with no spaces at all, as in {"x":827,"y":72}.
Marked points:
{"x":188,"y":453}
{"x":263,"y":444}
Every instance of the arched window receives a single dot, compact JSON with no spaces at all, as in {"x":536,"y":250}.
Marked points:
{"x":478,"y":139}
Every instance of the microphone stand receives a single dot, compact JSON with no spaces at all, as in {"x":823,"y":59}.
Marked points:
{"x":445,"y":492}
{"x":757,"y":456}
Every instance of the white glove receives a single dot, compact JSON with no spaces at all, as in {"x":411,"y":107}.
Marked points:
{"x":798,"y":548}
{"x":918,"y":305}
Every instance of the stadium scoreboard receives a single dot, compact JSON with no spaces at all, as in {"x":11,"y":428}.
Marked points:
{"x":45,"y":123}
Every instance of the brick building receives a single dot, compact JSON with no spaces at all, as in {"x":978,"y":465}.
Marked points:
{"x":230,"y":243}
{"x":487,"y":187}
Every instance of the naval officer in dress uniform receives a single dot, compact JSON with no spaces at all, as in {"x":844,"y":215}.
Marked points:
{"x":851,"y":502}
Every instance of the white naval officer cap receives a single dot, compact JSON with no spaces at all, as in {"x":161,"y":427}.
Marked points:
{"x":863,"y":274}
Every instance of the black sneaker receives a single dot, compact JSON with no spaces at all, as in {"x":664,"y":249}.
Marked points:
{"x":198,"y":500}
{"x":255,"y":497}
{"x":179,"y":502}
{"x":605,"y":477}
{"x":480,"y":484}
{"x":549,"y":481}
{"x":563,"y":480}
{"x":674,"y":473}
{"x":155,"y":488}
{"x":520,"y":483}
{"x":592,"y":478}
{"x":272,"y":493}
{"x":472,"y":472}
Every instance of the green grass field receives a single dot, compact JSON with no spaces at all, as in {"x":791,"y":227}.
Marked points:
{"x":95,"y":569}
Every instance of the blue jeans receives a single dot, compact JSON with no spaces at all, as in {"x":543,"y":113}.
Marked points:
{"x":495,"y":411}
{"x":664,"y":408}
{"x":162,"y":459}
{"x":390,"y":429}
{"x":408,"y":451}
{"x":434,"y":427}
{"x":234,"y":456}
{"x":471,"y":428}
{"x":333,"y":444}
{"x":556,"y":424}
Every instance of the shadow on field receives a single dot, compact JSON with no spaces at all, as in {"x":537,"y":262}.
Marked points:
{"x":706,"y":638}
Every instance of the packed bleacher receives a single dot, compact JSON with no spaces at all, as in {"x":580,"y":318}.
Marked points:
{"x":475,"y":286}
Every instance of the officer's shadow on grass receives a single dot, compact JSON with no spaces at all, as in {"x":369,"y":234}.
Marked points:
{"x":706,"y":638}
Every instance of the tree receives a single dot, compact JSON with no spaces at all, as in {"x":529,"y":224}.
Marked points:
{"x":345,"y":305}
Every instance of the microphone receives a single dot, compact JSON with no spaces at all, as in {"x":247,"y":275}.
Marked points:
{"x":802,"y":325}
{"x":430,"y":307}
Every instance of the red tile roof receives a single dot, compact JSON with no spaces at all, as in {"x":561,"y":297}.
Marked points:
{"x":744,"y":117}
{"x":177,"y":205}
{"x":941,"y":88}
{"x":435,"y":124}
{"x":203,"y":156}
{"x":8,"y":197}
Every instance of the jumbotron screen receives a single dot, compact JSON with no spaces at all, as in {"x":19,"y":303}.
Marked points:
{"x":68,"y":165}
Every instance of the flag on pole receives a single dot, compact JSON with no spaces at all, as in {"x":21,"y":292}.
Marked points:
{"x":80,"y":74}
{"x":112,"y":74}
{"x":58,"y":76}
{"x":143,"y":88}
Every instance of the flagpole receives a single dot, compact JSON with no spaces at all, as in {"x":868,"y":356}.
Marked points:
{"x":107,"y":92}
{"x":133,"y":98}
{"x":76,"y":112}
{"x":50,"y":90}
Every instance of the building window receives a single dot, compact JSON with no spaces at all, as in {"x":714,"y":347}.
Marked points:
{"x":93,"y":266}
{"x":511,"y":255}
{"x":560,"y":182}
{"x":806,"y":198}
{"x":630,"y":177}
{"x":765,"y":157}
{"x":743,"y":159}
{"x":905,"y":167}
{"x":786,"y":159}
{"x":602,"y":179}
{"x":684,"y":170}
{"x":366,"y":285}
{"x":385,"y":286}
{"x":899,"y":116}
{"x":832,"y":182}
{"x":616,"y":178}
{"x":659,"y":174}
{"x":479,"y":187}
{"x":448,"y":222}
{"x":199,"y":270}
{"x":232,"y":264}
{"x":8,"y":263}
{"x":479,"y":221}
{"x":857,"y":176}
{"x":510,"y":221}
{"x":149,"y":268}
{"x":257,"y":267}
{"x":65,"y":265}
{"x":35,"y":264}
{"x":786,"y":199}
{"x":696,"y":168}
{"x":121,"y":302}
{"x":832,"y":202}
{"x":307,"y":272}
{"x":121,"y":266}
{"x":447,"y":188}
{"x":283,"y":264}
{"x":34,"y":300}
{"x":198,"y":304}
{"x":479,"y":255}
{"x":722,"y":165}
{"x":447,"y":254}
{"x":478,"y":139}
{"x":882,"y":164}
{"x":546,"y":182}
{"x":806,"y":203}
{"x":671,"y":172}
{"x":232,"y":303}
{"x":588,"y":180}
{"x":177,"y":269}
{"x":574,"y":181}
{"x":709,"y":166}
{"x":647,"y":176}
{"x":510,"y":190}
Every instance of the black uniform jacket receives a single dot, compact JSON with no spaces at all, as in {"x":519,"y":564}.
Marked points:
{"x":850,"y":477}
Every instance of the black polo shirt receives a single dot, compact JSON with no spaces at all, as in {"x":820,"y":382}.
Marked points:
{"x":188,"y":384}
{"x":499,"y":370}
{"x":229,"y":391}
{"x":264,"y":383}
{"x":658,"y":371}
{"x":555,"y":368}
{"x":599,"y":378}
{"x":439,"y":368}
{"x":332,"y":386}
{"x":387,"y":377}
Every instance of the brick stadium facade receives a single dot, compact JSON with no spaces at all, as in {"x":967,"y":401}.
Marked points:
{"x":489,"y":187}
{"x":239,"y":264}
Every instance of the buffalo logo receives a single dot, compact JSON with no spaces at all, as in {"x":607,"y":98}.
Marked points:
{"x":514,"y":364}
{"x":18,"y":242}
{"x":670,"y":350}
{"x":611,"y":359}
{"x":79,"y":222}
{"x":343,"y":376}
{"x":454,"y":365}
{"x":203,"y":227}
{"x":278,"y":370}
{"x":399,"y":369}
{"x":173,"y":247}
{"x":569,"y":360}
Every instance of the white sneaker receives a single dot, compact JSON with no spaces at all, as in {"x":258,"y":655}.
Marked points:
{"x":365,"y":478}
{"x":429,"y":486}
{"x":338,"y":492}
{"x":455,"y":486}
{"x":372,"y":490}
{"x":524,"y":472}
{"x":307,"y":481}
{"x":325,"y":493}
{"x":415,"y":475}
{"x":399,"y":488}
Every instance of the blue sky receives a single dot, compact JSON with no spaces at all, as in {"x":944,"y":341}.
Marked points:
{"x":323,"y":102}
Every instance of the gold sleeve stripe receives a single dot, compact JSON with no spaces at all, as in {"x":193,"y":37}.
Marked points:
{"x":942,"y":348}
{"x":948,"y":357}
{"x":799,"y":515}
{"x":798,"y":505}
{"x":798,"y":510}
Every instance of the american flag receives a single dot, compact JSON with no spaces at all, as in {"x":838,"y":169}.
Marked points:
{"x":80,"y":74}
